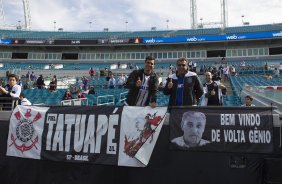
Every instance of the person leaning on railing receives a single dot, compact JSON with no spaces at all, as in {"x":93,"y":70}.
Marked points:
{"x":11,"y":92}
{"x":12,"y":89}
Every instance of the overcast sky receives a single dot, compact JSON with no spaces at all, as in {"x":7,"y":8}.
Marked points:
{"x":75,"y":15}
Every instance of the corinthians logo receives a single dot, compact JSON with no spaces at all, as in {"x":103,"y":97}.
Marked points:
{"x":25,"y":138}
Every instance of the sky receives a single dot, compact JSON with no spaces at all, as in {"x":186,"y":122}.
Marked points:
{"x":136,"y":15}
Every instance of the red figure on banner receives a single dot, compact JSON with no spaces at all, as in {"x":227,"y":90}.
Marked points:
{"x":132,"y":146}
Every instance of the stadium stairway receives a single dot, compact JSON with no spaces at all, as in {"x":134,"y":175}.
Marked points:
{"x":228,"y":87}
{"x":230,"y":99}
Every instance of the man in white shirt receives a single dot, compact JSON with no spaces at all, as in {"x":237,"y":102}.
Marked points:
{"x":121,"y":81}
{"x":112,"y":82}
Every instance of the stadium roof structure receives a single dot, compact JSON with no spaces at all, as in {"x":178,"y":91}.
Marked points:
{"x":23,"y":34}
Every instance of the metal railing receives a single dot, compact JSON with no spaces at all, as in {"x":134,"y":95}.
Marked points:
{"x":8,"y":103}
{"x":106,"y":100}
{"x":75,"y":102}
{"x":122,"y":97}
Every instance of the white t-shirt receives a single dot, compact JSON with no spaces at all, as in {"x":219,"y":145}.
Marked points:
{"x":143,"y":91}
{"x":25,"y":102}
{"x":15,"y":91}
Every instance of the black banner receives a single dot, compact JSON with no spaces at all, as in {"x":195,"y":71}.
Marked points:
{"x":230,"y":130}
{"x":77,"y":42}
{"x":88,"y":134}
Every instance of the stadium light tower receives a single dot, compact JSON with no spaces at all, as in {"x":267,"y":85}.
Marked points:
{"x":90,"y":25}
{"x":126,"y":22}
{"x":243,"y":22}
{"x":224,"y":13}
{"x":54,"y":25}
{"x":222,"y":22}
{"x":193,"y":14}
{"x":27,"y":17}
{"x":2,"y":18}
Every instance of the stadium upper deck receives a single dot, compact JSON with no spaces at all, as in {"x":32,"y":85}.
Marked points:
{"x":21,"y":34}
{"x":261,"y":42}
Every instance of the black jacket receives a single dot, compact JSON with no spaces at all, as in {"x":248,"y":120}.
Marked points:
{"x":192,"y":89}
{"x":134,"y":90}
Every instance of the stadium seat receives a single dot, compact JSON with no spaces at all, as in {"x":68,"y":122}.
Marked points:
{"x":279,"y":88}
{"x":269,"y":87}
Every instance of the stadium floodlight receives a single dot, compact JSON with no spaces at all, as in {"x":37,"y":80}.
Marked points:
{"x":201,"y":25}
{"x":126,"y":22}
{"x":19,"y":27}
{"x":167,"y":21}
{"x":90,"y":25}
{"x":243,"y":21}
{"x":54,"y":25}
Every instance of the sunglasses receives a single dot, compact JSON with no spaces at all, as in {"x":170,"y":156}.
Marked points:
{"x":179,"y":65}
{"x":150,"y":63}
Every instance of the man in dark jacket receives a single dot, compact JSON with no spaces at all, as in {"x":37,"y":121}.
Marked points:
{"x":184,"y":87}
{"x":40,"y":82}
{"x":143,"y":85}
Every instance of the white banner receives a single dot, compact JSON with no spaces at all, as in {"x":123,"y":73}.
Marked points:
{"x":25,"y":131}
{"x":139,"y":132}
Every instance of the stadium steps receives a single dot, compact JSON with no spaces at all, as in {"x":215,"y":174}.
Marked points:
{"x":228,"y":88}
{"x":231,"y":98}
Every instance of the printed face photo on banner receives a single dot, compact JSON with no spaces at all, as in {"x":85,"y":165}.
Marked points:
{"x":222,"y":129}
{"x":193,"y":126}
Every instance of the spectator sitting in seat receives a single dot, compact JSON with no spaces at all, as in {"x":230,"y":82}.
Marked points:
{"x":80,"y":95}
{"x":52,"y":85}
{"x":91,"y":91}
{"x":67,"y":95}
{"x":75,"y":89}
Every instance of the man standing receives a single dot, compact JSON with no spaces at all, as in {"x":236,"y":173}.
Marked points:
{"x":213,"y":91}
{"x":184,"y":87}
{"x":112,"y":82}
{"x":143,"y":85}
{"x":91,"y":72}
{"x":40,"y":82}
